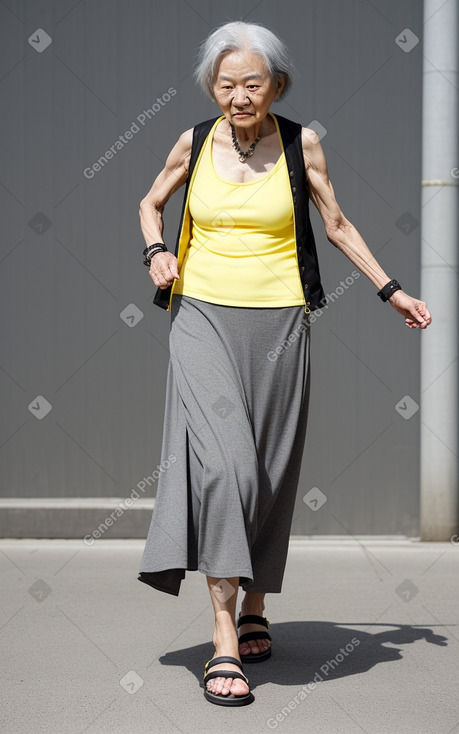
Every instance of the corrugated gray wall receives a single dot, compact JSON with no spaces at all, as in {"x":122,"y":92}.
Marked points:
{"x":71,"y":245}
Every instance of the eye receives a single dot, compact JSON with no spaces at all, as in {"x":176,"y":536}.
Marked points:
{"x":253,"y":86}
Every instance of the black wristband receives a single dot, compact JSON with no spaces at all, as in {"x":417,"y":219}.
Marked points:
{"x":152,"y":250}
{"x":390,"y":287}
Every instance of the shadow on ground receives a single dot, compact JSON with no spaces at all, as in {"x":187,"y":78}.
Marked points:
{"x":317,"y":651}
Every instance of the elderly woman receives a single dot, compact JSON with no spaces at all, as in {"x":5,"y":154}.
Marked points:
{"x":243,"y":279}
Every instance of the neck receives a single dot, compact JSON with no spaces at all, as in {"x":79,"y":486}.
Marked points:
{"x":250,"y":134}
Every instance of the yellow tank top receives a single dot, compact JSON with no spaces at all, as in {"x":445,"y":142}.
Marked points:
{"x":242,"y":250}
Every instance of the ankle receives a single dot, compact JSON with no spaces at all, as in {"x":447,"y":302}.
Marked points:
{"x":224,"y":632}
{"x":252,"y":607}
{"x":226,"y":646}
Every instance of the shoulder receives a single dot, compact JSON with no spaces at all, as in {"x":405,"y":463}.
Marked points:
{"x":292,"y":130}
{"x":309,"y":138}
{"x":314,"y":158}
{"x":191,"y":140}
{"x":185,"y":140}
{"x":181,"y":152}
{"x":187,"y":136}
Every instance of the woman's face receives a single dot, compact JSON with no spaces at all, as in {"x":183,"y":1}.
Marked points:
{"x":244,"y":88}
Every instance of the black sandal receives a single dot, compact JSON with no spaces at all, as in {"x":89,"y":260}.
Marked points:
{"x":230,"y":699}
{"x":254,"y":619}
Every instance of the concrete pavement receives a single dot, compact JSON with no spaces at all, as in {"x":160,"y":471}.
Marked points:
{"x":365,"y":639}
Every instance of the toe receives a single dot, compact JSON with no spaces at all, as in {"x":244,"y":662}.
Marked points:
{"x":224,"y":686}
{"x":256,"y":646}
{"x":217,"y":686}
{"x":238,"y":687}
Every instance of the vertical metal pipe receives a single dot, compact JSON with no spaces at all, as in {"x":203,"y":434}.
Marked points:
{"x":439,"y":271}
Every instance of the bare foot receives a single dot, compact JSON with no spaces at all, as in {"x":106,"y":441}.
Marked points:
{"x":225,"y":641}
{"x":252,"y":606}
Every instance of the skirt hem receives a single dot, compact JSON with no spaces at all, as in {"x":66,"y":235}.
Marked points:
{"x":146,"y":577}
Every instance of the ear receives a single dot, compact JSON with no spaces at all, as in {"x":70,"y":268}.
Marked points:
{"x":280,"y":86}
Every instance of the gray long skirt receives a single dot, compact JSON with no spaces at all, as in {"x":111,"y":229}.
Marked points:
{"x":237,"y":396}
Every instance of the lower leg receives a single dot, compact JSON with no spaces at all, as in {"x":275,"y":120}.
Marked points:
{"x":253,"y":603}
{"x":223,"y":594}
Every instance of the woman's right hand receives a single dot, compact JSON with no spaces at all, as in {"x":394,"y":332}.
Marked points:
{"x":163,"y":269}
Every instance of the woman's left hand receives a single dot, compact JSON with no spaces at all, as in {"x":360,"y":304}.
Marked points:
{"x":416,"y":313}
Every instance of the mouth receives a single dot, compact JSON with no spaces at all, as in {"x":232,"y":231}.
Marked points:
{"x":242,"y":114}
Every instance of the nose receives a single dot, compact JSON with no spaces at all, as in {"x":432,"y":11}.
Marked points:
{"x":240,"y":96}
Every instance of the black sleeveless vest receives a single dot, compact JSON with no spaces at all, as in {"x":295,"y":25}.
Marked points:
{"x":305,"y":244}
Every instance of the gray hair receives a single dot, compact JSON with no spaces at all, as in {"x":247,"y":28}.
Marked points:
{"x":236,"y":36}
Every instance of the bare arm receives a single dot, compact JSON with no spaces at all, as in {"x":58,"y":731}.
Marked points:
{"x":342,"y":233}
{"x":163,"y":266}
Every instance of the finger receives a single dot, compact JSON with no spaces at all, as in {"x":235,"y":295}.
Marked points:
{"x":426,"y":314}
{"x":171,"y":273}
{"x":425,"y":323}
{"x":417,"y":314}
{"x":159,"y":274}
{"x":424,"y":311}
{"x":160,"y":280}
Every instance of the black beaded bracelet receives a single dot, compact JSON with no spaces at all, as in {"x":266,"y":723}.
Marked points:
{"x":390,"y":288}
{"x":152,"y":250}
